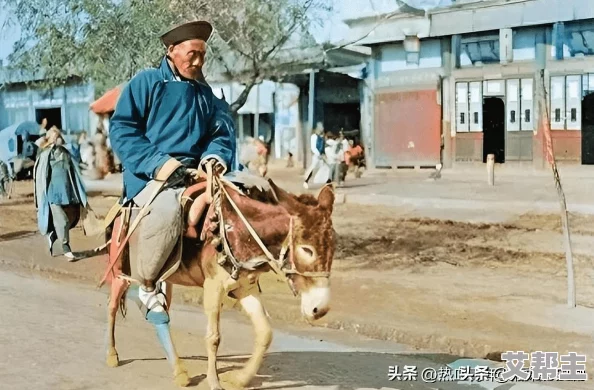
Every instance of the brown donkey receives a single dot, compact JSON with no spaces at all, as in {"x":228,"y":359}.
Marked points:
{"x":244,"y":235}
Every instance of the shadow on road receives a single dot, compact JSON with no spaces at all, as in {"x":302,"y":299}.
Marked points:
{"x":16,"y":235}
{"x":342,"y":370}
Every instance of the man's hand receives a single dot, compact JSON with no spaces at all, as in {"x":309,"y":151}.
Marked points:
{"x":217,"y":167}
{"x":168,"y":169}
{"x":193,"y":174}
{"x":177,"y":177}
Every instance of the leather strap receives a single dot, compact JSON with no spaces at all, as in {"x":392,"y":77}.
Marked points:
{"x":167,"y":169}
{"x":143,"y":212}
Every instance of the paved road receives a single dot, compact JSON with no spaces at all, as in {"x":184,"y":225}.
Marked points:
{"x":52,"y":337}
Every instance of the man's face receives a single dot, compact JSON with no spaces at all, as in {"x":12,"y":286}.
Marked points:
{"x":188,"y":57}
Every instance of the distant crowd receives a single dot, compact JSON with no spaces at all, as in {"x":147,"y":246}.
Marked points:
{"x":333,"y":156}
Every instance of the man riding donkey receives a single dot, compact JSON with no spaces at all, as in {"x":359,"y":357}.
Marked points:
{"x":167,"y":126}
{"x":167,"y":129}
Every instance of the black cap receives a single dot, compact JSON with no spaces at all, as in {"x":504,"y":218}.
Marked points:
{"x":199,"y":29}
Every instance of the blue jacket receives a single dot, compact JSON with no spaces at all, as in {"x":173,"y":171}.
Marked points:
{"x":158,"y":117}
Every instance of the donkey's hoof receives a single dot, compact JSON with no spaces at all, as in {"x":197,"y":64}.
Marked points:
{"x":240,"y":380}
{"x":112,"y":361}
{"x":182,"y":379}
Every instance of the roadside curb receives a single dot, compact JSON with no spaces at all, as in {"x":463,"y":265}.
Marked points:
{"x":460,"y":204}
{"x":517,"y":207}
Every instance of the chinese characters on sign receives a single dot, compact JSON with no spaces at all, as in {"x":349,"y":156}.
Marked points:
{"x":519,"y":366}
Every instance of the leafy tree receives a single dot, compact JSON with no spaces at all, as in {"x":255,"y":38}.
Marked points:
{"x":108,"y":41}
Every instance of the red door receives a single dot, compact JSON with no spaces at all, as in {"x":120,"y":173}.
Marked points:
{"x":407,"y":128}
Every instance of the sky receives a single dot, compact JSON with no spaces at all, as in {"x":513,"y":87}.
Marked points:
{"x":335,"y":30}
{"x":8,"y":36}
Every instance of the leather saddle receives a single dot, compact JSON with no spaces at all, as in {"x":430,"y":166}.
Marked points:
{"x":194,"y":208}
{"x":194,"y":211}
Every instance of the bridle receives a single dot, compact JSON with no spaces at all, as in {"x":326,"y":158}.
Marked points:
{"x":284,"y":265}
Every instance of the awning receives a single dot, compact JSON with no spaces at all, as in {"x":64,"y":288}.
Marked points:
{"x":106,"y":104}
{"x":256,"y":102}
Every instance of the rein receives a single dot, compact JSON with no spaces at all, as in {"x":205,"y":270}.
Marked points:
{"x":279,"y":265}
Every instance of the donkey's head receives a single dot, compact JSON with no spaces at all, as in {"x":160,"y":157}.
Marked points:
{"x":312,"y":247}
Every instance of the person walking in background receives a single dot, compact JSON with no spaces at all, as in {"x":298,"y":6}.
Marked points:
{"x":5,"y":180}
{"x":335,"y":156}
{"x":87,"y":152}
{"x":341,"y":149}
{"x":355,"y":157}
{"x":104,"y":162}
{"x":60,"y":196}
{"x":317,"y":146}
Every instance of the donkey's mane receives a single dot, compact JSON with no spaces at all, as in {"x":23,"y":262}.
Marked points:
{"x":269,"y":197}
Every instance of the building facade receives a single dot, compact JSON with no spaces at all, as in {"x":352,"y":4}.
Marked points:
{"x":461,"y":82}
{"x":66,"y":107}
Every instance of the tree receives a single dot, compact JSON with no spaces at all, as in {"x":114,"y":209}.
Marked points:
{"x":545,"y":127}
{"x":108,"y":41}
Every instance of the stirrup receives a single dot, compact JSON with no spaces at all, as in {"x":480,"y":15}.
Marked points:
{"x":155,"y":300}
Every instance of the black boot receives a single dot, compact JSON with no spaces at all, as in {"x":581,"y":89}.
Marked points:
{"x":51,"y":239}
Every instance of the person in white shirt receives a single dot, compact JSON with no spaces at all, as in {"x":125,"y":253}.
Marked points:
{"x":317,"y":145}
{"x":335,"y":156}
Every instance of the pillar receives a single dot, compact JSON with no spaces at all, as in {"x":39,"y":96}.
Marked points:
{"x":538,"y":141}
{"x":310,"y":114}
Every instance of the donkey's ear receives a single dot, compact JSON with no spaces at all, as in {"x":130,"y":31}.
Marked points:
{"x":326,"y":198}
{"x":282,"y":195}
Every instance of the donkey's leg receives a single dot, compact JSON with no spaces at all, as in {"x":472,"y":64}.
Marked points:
{"x":118,"y":288}
{"x":253,"y":307}
{"x":213,"y":299}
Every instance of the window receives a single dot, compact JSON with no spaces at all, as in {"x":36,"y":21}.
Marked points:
{"x":478,"y":49}
{"x":573,"y":39}
{"x":462,"y":109}
{"x":469,"y":106}
{"x":527,"y":103}
{"x":412,"y":58}
{"x":565,"y":95}
{"x":519,"y":104}
{"x":512,"y":104}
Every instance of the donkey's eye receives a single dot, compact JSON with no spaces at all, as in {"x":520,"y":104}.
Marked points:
{"x":306,"y":254}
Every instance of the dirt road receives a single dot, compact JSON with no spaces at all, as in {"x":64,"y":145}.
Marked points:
{"x":52,"y":336}
{"x":467,"y":289}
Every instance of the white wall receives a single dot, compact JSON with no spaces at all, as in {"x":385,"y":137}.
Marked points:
{"x":262,"y":100}
{"x":392,"y":57}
